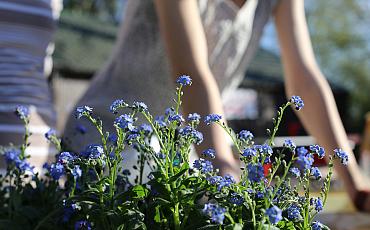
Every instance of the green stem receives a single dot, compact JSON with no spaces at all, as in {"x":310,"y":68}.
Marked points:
{"x":176,"y":217}
{"x":277,"y":124}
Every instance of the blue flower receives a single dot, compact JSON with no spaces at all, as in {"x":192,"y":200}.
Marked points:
{"x":317,"y":203}
{"x":274,"y":214}
{"x":317,"y":226}
{"x":119,"y":103}
{"x":176,"y":118}
{"x":236,"y":199}
{"x":343,"y":156}
{"x":125,"y":122}
{"x":184,"y":80}
{"x":159,"y":120}
{"x":65,"y":157}
{"x":56,"y":170}
{"x":190,"y":132}
{"x":260,"y":195}
{"x":112,"y":138}
{"x":320,"y":151}
{"x":245,"y":135}
{"x":12,"y":155}
{"x":51,"y":134}
{"x":76,"y":172}
{"x":212,"y":118}
{"x":305,"y":161}
{"x":297,"y":102}
{"x":315,"y":172}
{"x":161,"y":155}
{"x":22,"y":112}
{"x":203,"y":165}
{"x":146,"y":129}
{"x":82,"y":225}
{"x":140,"y":106}
{"x":264,"y":150}
{"x":226,"y":181}
{"x":193,"y":117}
{"x":210,"y":153}
{"x":249,"y":153}
{"x":216,"y":212}
{"x":93,"y":151}
{"x":302,"y":151}
{"x":295,"y":172}
{"x":214,"y":180}
{"x":255,"y":172}
{"x":169,"y":111}
{"x":83,"y":111}
{"x":293,"y":212}
{"x":289,"y":144}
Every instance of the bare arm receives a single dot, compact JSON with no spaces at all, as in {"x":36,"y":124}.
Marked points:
{"x":304,"y":78}
{"x":186,"y":46}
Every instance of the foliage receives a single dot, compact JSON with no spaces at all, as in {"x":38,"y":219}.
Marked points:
{"x":342,"y":47}
{"x":97,"y":192}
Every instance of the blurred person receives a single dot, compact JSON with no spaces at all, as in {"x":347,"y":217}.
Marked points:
{"x":213,"y":41}
{"x":26,"y":30}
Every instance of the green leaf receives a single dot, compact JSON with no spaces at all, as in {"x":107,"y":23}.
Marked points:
{"x":236,"y":226}
{"x":184,"y":168}
{"x":139,"y":192}
{"x":157,"y":217}
{"x":269,"y":227}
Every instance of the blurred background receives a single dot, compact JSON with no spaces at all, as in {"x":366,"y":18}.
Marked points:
{"x":87,"y":32}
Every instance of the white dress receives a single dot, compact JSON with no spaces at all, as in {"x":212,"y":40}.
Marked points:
{"x":138,"y":68}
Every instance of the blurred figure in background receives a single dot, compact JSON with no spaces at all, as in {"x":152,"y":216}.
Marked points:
{"x":213,"y":42}
{"x":26,"y":30}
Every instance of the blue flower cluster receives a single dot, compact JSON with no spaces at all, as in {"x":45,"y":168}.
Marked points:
{"x":315,"y":172}
{"x":274,"y":214}
{"x":83,"y":111}
{"x":140,"y":106}
{"x":249,"y":153}
{"x":211,"y":118}
{"x":304,"y":160}
{"x":245,"y":135}
{"x":22,"y":112}
{"x":52,"y":133}
{"x":340,"y":154}
{"x":297,"y":102}
{"x":293,"y":212}
{"x":317,"y":226}
{"x":255,"y":172}
{"x":216,"y":212}
{"x":184,"y":80}
{"x":190,"y":133}
{"x":221,"y":182}
{"x":295,"y":172}
{"x":176,"y":118}
{"x":202,"y":165}
{"x":13,"y":156}
{"x":318,"y":150}
{"x":209,"y":153}
{"x":194,"y":117}
{"x":125,"y":122}
{"x":119,"y":103}
{"x":83,"y":225}
{"x":317,"y":203}
{"x":236,"y":199}
{"x":93,"y":151}
{"x":289,"y":144}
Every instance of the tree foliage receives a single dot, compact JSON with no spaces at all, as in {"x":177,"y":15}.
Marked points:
{"x":341,"y":40}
